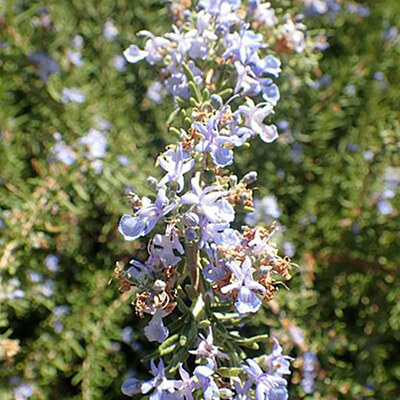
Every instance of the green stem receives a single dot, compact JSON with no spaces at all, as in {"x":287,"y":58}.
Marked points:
{"x":198,"y":308}
{"x":192,"y":251}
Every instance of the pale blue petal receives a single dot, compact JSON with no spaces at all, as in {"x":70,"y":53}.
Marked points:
{"x":131,"y":227}
{"x":131,"y":387}
{"x":133,"y":54}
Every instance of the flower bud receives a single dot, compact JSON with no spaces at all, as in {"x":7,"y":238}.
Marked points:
{"x":253,"y":4}
{"x":152,"y":181}
{"x":244,"y":196}
{"x":226,"y":393}
{"x":250,"y":177}
{"x":233,"y":180}
{"x":159,"y":285}
{"x":191,"y":235}
{"x":216,"y":101}
{"x":191,"y":219}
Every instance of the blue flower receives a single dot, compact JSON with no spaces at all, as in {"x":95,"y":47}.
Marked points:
{"x":96,"y":143}
{"x":23,"y":392}
{"x":384,"y":206}
{"x":45,"y":65}
{"x":268,"y":386}
{"x":254,"y":116}
{"x":205,"y":375}
{"x":310,"y":361}
{"x":123,"y":160}
{"x":154,"y":49}
{"x":260,"y":246}
{"x":208,"y":351}
{"x":210,"y":202}
{"x":156,"y":92}
{"x":269,"y":65}
{"x":276,"y":363}
{"x":359,"y":9}
{"x":214,"y":6}
{"x":214,"y":271}
{"x":72,"y":95}
{"x":247,"y":83}
{"x":185,"y":386}
{"x":265,"y":210}
{"x":60,"y":311}
{"x":242,"y":392}
{"x":51,"y":262}
{"x":176,"y":163}
{"x":159,"y":383}
{"x":264,"y":14}
{"x":214,"y":143}
{"x":127,"y":334}
{"x":321,"y":43}
{"x":119,"y":63}
{"x":75,"y":57}
{"x":224,"y":11}
{"x":165,"y":246}
{"x":294,"y":35}
{"x":177,"y":84}
{"x":316,"y":7}
{"x":110,"y":31}
{"x":241,"y":46}
{"x":141,"y":272}
{"x":64,"y":153}
{"x":242,"y":281}
{"x":155,"y":331}
{"x":289,"y":249}
{"x":198,"y":40}
{"x":228,"y":238}
{"x":146,"y":218}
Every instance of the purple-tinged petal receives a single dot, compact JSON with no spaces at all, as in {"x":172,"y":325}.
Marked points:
{"x":133,"y":54}
{"x":131,"y":227}
{"x":190,"y":198}
{"x":131,"y":387}
{"x":147,"y":386}
{"x":269,"y":133}
{"x":247,"y":301}
{"x":228,"y":288}
{"x":155,"y":331}
{"x":222,"y":156}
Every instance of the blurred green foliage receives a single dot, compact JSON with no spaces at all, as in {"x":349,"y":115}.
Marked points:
{"x":329,"y":172}
{"x":69,"y":211}
{"x":344,"y":295}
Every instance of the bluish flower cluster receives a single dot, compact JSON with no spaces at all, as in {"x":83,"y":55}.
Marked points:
{"x":390,"y":188}
{"x":217,"y":69}
{"x":310,"y":362}
{"x":23,"y":392}
{"x":218,"y":35}
{"x":72,"y":95}
{"x":262,"y":378}
{"x":92,"y":147}
{"x":265,"y":210}
{"x":45,"y":65}
{"x":360,"y":9}
{"x":321,"y":7}
{"x":11,"y":290}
